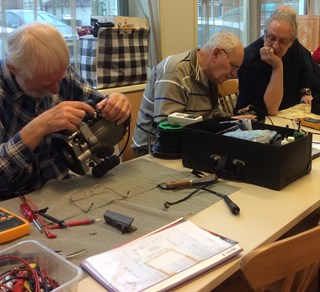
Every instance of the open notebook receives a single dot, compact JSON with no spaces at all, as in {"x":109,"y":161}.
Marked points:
{"x":162,"y":259}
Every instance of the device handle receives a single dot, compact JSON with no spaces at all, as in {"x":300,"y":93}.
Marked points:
{"x":234,"y":208}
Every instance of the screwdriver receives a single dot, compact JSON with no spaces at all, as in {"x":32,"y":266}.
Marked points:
{"x":27,"y":213}
{"x":75,"y":223}
{"x":61,"y":223}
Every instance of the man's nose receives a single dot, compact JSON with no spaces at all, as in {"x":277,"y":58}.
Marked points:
{"x":233,"y":73}
{"x":276,"y":44}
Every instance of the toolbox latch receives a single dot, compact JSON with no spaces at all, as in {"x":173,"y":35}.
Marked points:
{"x":226,"y":167}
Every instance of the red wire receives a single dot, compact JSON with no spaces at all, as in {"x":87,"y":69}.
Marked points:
{"x":50,"y":280}
{"x":6,"y":287}
{"x":34,"y":273}
{"x":43,"y":224}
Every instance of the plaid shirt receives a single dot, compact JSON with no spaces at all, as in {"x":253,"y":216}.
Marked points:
{"x":23,"y":170}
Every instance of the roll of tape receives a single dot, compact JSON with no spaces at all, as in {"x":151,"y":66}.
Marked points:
{"x":166,"y":126}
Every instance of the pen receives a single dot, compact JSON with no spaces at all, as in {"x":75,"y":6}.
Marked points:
{"x":75,"y":223}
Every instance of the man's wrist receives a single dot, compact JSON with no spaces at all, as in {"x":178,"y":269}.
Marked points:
{"x":32,"y":133}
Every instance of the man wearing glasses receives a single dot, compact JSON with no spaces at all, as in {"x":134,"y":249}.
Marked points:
{"x":277,"y":71}
{"x":187,"y":83}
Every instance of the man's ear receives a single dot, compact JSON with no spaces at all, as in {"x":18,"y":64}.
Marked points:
{"x":215,"y":53}
{"x":12,"y":69}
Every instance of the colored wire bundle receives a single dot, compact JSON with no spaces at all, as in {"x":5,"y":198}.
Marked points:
{"x":27,"y":277}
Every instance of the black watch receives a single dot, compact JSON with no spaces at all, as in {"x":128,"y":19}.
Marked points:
{"x":305,"y":91}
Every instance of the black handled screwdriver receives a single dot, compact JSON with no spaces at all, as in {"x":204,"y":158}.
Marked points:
{"x":53,"y":219}
{"x":234,"y":208}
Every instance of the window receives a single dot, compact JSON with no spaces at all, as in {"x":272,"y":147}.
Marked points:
{"x":239,"y":17}
{"x":70,"y":17}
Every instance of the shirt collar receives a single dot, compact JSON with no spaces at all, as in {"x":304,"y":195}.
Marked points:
{"x":11,"y":81}
{"x":198,"y":73}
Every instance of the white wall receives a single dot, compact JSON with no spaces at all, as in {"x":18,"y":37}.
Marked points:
{"x":178,"y":26}
{"x":178,"y":23}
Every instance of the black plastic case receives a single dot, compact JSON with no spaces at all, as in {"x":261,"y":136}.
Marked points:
{"x":266,"y":165}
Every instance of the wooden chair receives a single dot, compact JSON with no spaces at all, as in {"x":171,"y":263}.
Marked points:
{"x":228,"y":93}
{"x":135,"y":98}
{"x":292,"y":262}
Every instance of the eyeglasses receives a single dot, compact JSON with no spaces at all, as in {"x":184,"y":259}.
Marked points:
{"x":95,"y":197}
{"x":233,"y":65}
{"x":272,"y":39}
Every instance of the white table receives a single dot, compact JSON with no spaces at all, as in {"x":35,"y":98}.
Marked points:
{"x":265,"y":216}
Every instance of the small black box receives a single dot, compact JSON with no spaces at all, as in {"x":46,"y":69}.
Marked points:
{"x":266,"y":165}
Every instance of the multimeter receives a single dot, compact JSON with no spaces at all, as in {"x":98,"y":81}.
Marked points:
{"x":311,"y":123}
{"x":12,"y":226}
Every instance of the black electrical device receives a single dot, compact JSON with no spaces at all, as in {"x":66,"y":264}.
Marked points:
{"x":91,"y":146}
{"x":119,"y":221}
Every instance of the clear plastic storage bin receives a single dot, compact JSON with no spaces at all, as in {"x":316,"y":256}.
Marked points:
{"x":57,"y":267}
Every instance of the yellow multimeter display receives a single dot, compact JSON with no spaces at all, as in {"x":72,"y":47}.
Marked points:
{"x":12,"y":226}
{"x":311,"y":123}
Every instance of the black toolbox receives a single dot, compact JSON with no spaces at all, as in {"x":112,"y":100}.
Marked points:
{"x":267,"y":165}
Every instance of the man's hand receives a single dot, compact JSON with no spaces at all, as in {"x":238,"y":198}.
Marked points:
{"x":245,"y":113}
{"x":267,"y":55}
{"x":115,"y":107}
{"x":241,"y":117}
{"x":307,"y":99}
{"x":274,"y":91}
{"x":67,"y":115}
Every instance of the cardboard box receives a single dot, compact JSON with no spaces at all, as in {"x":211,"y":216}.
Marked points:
{"x":120,"y":21}
{"x":55,"y":266}
{"x":266,"y":165}
{"x":309,"y":31}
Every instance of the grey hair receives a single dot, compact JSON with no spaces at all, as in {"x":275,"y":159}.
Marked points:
{"x":37,"y":48}
{"x":224,"y":40}
{"x":285,"y":14}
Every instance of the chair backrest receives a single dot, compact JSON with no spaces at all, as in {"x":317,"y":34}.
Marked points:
{"x":135,"y":100}
{"x":228,"y":94}
{"x":295,"y":260}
